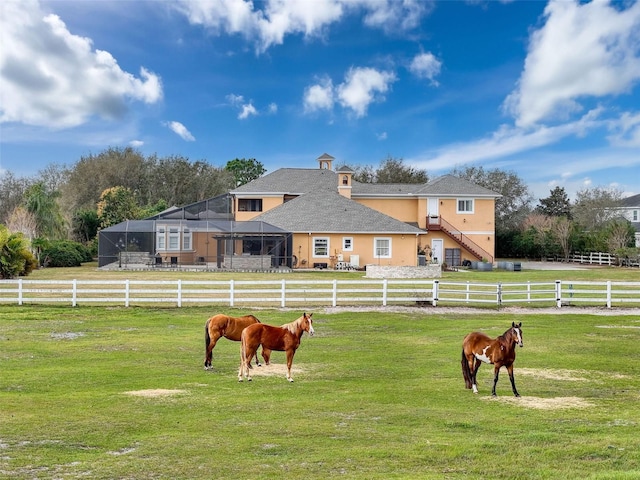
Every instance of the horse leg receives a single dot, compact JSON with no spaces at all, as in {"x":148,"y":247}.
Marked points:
{"x":248,"y":356}
{"x":290,"y":354}
{"x":475,"y":366}
{"x":496,"y":373}
{"x":209,"y":351}
{"x":266,"y":355}
{"x":245,"y":360}
{"x":466,"y":371}
{"x":513,"y":381}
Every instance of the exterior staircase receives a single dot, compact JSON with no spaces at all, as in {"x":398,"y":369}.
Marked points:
{"x":440,"y":224}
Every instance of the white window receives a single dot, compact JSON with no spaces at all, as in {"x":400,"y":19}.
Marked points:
{"x":161,"y":241}
{"x":465,"y":206}
{"x":174,"y":238}
{"x":320,"y":247}
{"x":186,"y":239}
{"x":347,"y":244}
{"x":382,"y":247}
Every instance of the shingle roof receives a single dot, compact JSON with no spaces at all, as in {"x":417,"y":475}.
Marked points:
{"x":632,"y":201}
{"x":297,"y":181}
{"x":327,"y":211}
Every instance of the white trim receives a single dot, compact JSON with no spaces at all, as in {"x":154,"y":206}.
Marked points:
{"x":376,"y":248}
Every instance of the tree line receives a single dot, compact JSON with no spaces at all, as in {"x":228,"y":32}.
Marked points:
{"x":63,"y":207}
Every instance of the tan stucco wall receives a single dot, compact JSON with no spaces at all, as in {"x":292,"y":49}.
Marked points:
{"x":267,"y":204}
{"x":405,"y":209}
{"x":403,"y":249}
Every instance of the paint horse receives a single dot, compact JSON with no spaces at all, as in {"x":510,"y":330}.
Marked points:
{"x":285,"y":338}
{"x":222,"y":325}
{"x":478,"y":347}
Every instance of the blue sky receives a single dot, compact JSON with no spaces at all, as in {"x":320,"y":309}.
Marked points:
{"x":549,"y":90}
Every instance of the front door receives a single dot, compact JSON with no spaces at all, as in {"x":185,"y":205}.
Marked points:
{"x":436,"y":250}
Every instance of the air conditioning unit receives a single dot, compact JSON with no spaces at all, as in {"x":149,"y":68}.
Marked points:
{"x":354,"y":260}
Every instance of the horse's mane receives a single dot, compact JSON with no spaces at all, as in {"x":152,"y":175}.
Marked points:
{"x":294,"y":326}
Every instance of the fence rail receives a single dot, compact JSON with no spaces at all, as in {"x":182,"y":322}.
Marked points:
{"x":295,"y":293}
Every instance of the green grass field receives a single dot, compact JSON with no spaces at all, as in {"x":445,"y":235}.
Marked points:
{"x":93,"y":392}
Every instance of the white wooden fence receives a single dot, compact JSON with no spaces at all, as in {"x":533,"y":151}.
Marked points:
{"x":299,"y":293}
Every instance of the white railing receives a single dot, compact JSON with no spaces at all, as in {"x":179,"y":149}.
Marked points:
{"x":293,"y":293}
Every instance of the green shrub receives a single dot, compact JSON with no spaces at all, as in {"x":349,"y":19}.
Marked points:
{"x":66,"y":254}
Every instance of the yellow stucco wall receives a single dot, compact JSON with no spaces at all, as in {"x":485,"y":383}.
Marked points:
{"x":403,"y":249}
{"x":267,"y":204}
{"x":405,"y":209}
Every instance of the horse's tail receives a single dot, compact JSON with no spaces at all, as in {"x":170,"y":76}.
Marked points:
{"x":243,"y":349}
{"x":207,"y":337}
{"x":466,"y":372}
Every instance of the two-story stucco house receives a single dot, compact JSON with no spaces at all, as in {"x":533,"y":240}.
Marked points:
{"x":336,"y":220}
{"x":314,"y":217}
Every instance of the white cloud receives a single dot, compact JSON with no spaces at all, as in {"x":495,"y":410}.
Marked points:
{"x":136,"y":143}
{"x":393,"y":16}
{"x":180,"y":130}
{"x":267,"y":23}
{"x":362,"y":86}
{"x":319,"y":96}
{"x":505,"y":142}
{"x":234,"y":99}
{"x":247,"y":111}
{"x":272,"y":109}
{"x":427,"y":66}
{"x":626,"y":131}
{"x":582,"y":50}
{"x":381,"y":136}
{"x":53,"y":78}
{"x":246,"y":108}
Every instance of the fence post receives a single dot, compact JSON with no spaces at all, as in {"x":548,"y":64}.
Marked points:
{"x":231,"y":292}
{"x":283,"y":302}
{"x":74,"y":292}
{"x":468,"y":295}
{"x":127,"y":292}
{"x":608,"y":293}
{"x":558,"y":293}
{"x":384,"y":292}
{"x":436,"y":284}
{"x":499,"y":294}
{"x":334,"y":293}
{"x":179,"y":293}
{"x":19,"y":291}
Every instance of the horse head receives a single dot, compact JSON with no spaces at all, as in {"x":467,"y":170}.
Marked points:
{"x":517,"y":332}
{"x":307,"y":323}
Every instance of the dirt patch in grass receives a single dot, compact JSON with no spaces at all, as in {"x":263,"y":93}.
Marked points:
{"x":566,"y":375}
{"x":554,"y":403}
{"x":273,"y":369}
{"x":156,"y":392}
{"x":554,"y":374}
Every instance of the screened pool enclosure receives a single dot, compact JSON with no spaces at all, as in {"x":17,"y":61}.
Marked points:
{"x":201,"y":236}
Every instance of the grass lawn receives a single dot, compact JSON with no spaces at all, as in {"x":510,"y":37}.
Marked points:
{"x":92,"y":392}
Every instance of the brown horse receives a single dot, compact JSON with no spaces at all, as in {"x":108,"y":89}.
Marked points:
{"x":285,"y":338}
{"x":222,"y":325}
{"x":478,"y":347}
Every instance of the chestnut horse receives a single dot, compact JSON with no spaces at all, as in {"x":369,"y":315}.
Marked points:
{"x":222,"y":325}
{"x":285,"y":338}
{"x":478,"y":347}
